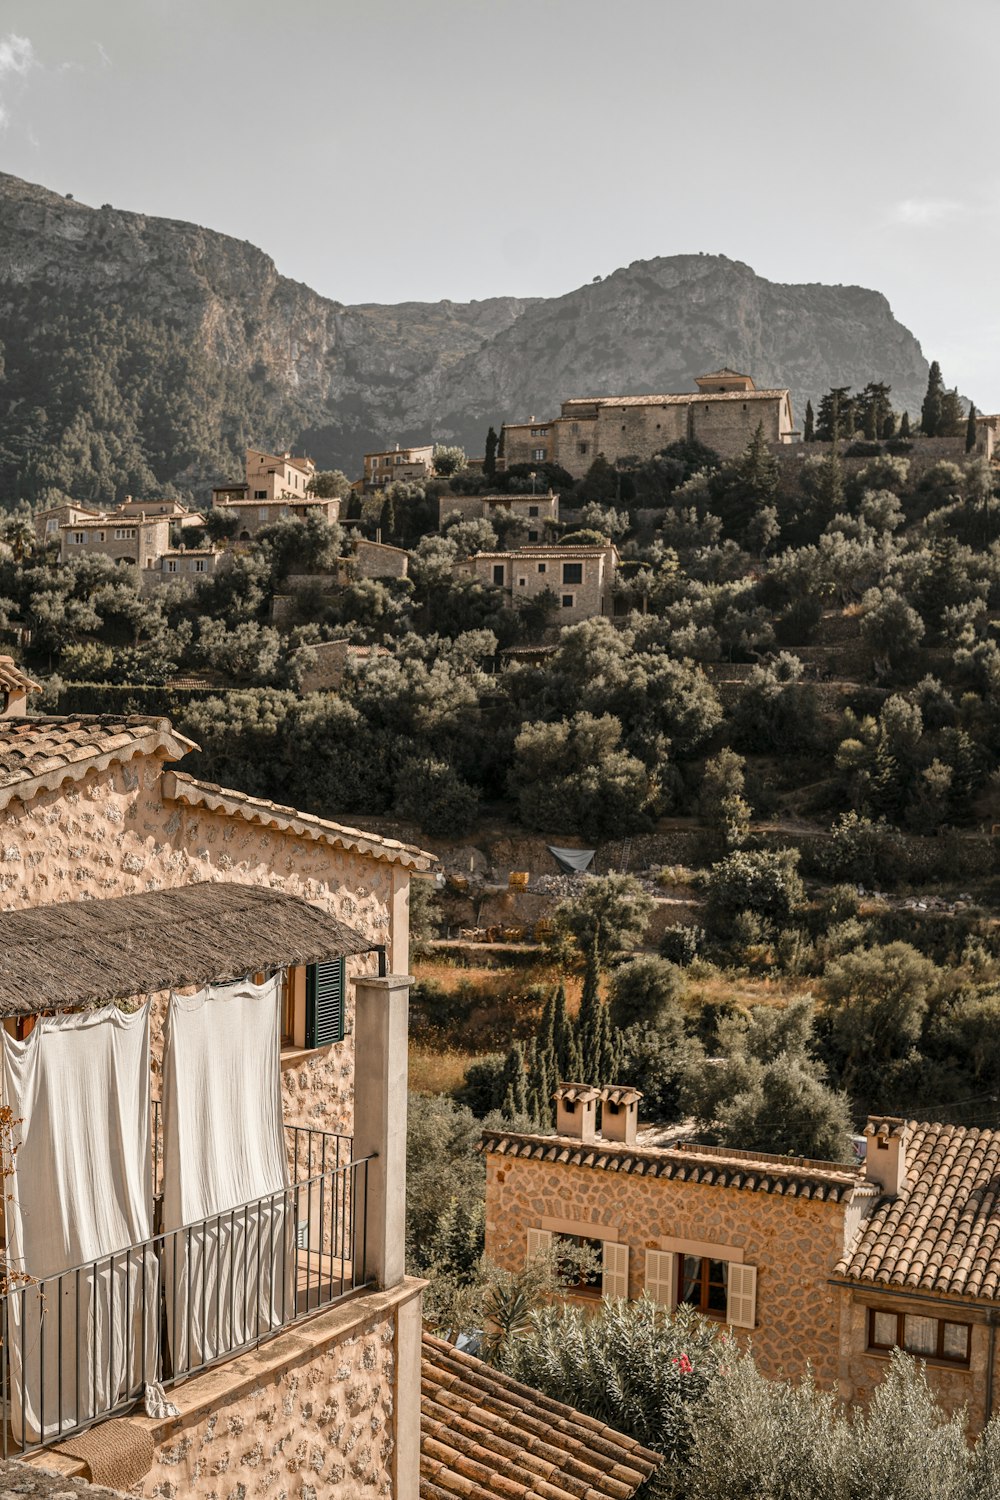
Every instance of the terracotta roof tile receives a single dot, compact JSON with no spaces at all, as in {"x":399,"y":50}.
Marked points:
{"x":39,"y":753}
{"x":684,"y":399}
{"x":484,"y":1435}
{"x":13,"y":679}
{"x":942,"y":1232}
{"x":716,"y":1166}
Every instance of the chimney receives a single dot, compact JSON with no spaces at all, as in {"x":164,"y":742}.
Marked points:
{"x":576,"y":1110}
{"x":885,"y":1157}
{"x":620,"y":1114}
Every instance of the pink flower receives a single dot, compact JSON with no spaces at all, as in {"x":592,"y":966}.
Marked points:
{"x":684,"y":1364}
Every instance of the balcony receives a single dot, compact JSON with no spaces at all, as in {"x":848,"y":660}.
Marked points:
{"x":87,"y":1343}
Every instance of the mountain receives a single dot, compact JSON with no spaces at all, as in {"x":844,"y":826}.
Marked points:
{"x":137,"y":352}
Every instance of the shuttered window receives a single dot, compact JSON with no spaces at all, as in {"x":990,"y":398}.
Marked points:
{"x":741,"y":1310}
{"x":325,"y":986}
{"x":614,"y":1270}
{"x":661,"y":1278}
{"x":538,"y":1241}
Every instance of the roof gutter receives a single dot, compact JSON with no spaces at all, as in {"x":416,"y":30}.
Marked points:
{"x":887,"y":1290}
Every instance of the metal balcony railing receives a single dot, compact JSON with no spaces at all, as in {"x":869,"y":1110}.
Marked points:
{"x":84,"y":1344}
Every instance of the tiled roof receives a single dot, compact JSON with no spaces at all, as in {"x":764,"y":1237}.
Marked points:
{"x":942,"y":1233}
{"x":684,"y":399}
{"x":39,"y":754}
{"x":714,"y":1166}
{"x":526,"y":553}
{"x":575,"y":1092}
{"x":13,"y":679}
{"x":178,"y":787}
{"x":720,"y":374}
{"x":617,"y":1095}
{"x":483,"y":1434}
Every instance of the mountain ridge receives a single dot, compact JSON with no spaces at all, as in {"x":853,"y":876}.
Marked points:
{"x":259,"y":357}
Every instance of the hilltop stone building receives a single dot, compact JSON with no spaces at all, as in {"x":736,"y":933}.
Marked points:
{"x":534,"y":511}
{"x":392,"y":465}
{"x":724,"y":413}
{"x":581,"y":578}
{"x":820,"y":1265}
{"x":276,"y":486}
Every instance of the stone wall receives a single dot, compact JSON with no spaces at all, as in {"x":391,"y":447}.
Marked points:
{"x":113,"y":834}
{"x":794,"y":1243}
{"x":306,"y":1416}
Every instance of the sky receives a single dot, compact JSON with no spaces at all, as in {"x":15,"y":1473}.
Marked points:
{"x":397,"y":150}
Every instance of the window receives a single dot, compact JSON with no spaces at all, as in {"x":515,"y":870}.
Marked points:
{"x":538,"y":455}
{"x":931,"y":1338}
{"x":521,"y":582}
{"x":532,"y":510}
{"x":260,"y":494}
{"x":532,"y":536}
{"x":572,"y":573}
{"x":171,"y":565}
{"x":585,"y":1283}
{"x":262,"y":513}
{"x":498,"y":574}
{"x":199,"y":565}
{"x":124,"y":533}
{"x":102,"y":536}
{"x":702,"y":1283}
{"x":325,"y":984}
{"x":78,"y":538}
{"x":52,"y":524}
{"x":542,"y":567}
{"x":567,"y":601}
{"x":582,"y":447}
{"x":539,"y":432}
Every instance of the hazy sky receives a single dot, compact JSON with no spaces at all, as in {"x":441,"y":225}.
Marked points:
{"x":384,"y":150}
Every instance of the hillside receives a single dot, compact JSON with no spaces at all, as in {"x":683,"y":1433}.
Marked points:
{"x":138,"y":351}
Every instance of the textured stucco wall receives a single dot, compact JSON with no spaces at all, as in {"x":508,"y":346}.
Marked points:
{"x":793,"y":1242}
{"x":320,"y":1429}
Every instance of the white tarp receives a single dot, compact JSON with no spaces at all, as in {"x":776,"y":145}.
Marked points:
{"x":226,"y":1212}
{"x":80,"y":1192}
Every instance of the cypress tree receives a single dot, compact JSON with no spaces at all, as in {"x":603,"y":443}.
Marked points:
{"x":590,"y":1003}
{"x":564,"y":1040}
{"x":514,"y":1083}
{"x":904,"y":425}
{"x":889,"y":425}
{"x":970,"y":429}
{"x":808,"y":433}
{"x":930,"y":411}
{"x":870,"y":427}
{"x":952,"y":415}
{"x":490,"y":461}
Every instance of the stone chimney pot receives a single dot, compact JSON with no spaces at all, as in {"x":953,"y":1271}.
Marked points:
{"x":885,"y":1157}
{"x":620,"y":1114}
{"x":576,"y":1110}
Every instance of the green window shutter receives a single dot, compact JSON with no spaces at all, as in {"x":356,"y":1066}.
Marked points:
{"x":325,"y":986}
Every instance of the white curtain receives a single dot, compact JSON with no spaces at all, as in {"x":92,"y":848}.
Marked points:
{"x":226,"y":1207}
{"x":83,"y":1335}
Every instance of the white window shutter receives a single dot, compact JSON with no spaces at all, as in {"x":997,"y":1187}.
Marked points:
{"x":741,"y":1302}
{"x":538,"y":1240}
{"x":614,"y":1270}
{"x":661,"y":1277}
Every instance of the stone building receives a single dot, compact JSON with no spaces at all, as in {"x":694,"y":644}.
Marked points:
{"x":580,"y":578}
{"x":724,"y":413}
{"x":821,"y":1265}
{"x":47,"y":522}
{"x":183,"y":563}
{"x":123,"y":880}
{"x":392,"y":465}
{"x":139,"y":540}
{"x":536,"y":512}
{"x":377,"y":560}
{"x":276,"y":486}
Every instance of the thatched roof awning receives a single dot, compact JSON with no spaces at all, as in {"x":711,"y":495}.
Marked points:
{"x":94,"y":952}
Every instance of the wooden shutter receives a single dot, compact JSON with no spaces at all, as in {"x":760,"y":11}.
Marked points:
{"x":661,"y":1277}
{"x":741,"y":1300}
{"x":614,"y":1270}
{"x":538,"y":1240}
{"x":325,"y":1003}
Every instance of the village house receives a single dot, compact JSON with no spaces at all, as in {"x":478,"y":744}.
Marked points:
{"x":276,"y":486}
{"x":392,"y":465}
{"x":47,"y":522}
{"x":187,"y":563}
{"x":234,"y":975}
{"x":581,"y":579}
{"x":535,"y":512}
{"x":138,"y":540}
{"x":820,"y":1265}
{"x":724,"y":413}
